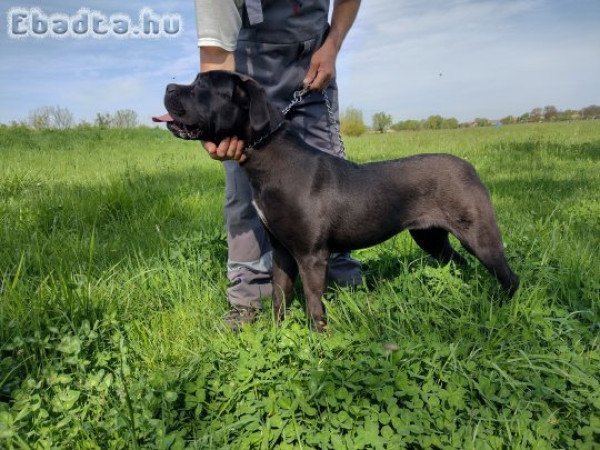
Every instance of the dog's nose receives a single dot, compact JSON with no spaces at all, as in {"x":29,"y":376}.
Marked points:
{"x":171,"y":87}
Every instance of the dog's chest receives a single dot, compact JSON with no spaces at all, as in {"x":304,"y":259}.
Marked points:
{"x":261,"y":214}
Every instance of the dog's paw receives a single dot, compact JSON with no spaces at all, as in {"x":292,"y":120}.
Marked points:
{"x":319,"y":325}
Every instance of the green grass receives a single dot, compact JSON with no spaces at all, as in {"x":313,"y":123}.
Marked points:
{"x":112,"y":290}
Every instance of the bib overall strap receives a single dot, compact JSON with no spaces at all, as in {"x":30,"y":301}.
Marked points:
{"x":255,"y":12}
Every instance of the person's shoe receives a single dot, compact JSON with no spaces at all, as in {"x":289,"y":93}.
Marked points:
{"x":344,"y":271}
{"x":238,"y":316}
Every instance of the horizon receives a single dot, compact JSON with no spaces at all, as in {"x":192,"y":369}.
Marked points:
{"x":368,"y":123}
{"x":462,"y":58}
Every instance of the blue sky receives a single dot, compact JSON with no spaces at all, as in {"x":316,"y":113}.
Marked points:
{"x":410,"y":58}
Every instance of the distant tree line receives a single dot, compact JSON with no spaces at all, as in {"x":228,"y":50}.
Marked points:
{"x":551,"y":114}
{"x":435,"y":122}
{"x":352,"y":122}
{"x":56,"y":117}
{"x":122,"y":118}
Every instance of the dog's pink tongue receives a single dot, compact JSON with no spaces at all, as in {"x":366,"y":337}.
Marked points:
{"x":164,"y":118}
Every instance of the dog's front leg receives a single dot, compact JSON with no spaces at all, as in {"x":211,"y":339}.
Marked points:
{"x":313,"y":271}
{"x":285,"y":271}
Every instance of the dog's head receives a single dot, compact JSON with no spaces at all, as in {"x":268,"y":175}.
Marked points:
{"x":218,"y":104}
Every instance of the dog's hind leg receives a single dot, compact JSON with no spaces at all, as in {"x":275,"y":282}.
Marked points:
{"x":484,"y":242}
{"x":435,"y":242}
{"x":285,"y":271}
{"x":313,"y":271}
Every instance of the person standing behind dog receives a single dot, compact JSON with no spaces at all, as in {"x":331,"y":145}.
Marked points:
{"x":283,"y":44}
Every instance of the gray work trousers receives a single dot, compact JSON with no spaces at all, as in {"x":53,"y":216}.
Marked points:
{"x":280,"y":69}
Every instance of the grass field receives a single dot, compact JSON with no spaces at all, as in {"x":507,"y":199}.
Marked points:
{"x":112,"y":290}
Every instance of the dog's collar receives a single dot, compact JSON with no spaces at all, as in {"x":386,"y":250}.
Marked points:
{"x":271,"y":132}
{"x":249,"y":149}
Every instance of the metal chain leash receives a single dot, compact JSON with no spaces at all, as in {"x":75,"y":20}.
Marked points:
{"x":341,"y":152}
{"x":297,"y":98}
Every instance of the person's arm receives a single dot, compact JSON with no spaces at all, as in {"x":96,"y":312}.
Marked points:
{"x":218,"y":24}
{"x":322,"y":63}
{"x":216,"y":58}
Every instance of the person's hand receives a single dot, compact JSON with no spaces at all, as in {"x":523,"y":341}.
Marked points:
{"x":229,"y":148}
{"x":322,"y":67}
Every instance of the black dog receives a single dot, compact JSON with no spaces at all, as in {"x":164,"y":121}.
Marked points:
{"x":313,"y":203}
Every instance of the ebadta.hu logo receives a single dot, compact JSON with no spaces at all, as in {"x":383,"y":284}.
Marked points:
{"x":35,"y":23}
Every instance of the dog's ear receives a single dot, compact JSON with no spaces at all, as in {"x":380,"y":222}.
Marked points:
{"x":258,"y":103}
